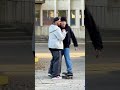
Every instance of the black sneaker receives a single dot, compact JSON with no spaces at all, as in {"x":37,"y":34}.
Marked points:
{"x":65,"y":73}
{"x":68,"y":73}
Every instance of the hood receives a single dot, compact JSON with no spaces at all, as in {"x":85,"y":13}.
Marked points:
{"x":53,"y":28}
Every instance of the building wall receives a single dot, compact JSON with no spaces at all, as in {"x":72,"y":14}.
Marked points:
{"x":57,"y":5}
{"x":106,"y":13}
{"x":62,"y":4}
{"x":17,"y":13}
{"x":76,"y":5}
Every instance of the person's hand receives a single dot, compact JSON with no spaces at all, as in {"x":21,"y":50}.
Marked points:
{"x":76,"y":48}
{"x":63,"y":30}
{"x":97,"y":53}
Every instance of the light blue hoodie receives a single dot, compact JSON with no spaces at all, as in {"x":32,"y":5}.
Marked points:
{"x":56,"y":37}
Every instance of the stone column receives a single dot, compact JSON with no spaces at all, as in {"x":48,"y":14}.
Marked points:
{"x":41,"y":15}
{"x":83,"y":8}
{"x":68,"y":12}
{"x":55,"y":8}
{"x":77,"y":19}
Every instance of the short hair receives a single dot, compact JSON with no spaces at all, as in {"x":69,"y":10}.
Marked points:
{"x":64,"y":19}
{"x":55,"y":19}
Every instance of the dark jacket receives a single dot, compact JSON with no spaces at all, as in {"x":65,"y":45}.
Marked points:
{"x":92,"y":30}
{"x":70,"y":35}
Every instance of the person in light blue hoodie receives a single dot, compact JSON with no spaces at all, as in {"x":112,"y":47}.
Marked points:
{"x":55,"y":45}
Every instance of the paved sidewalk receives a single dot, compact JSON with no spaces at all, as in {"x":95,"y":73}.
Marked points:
{"x":43,"y":82}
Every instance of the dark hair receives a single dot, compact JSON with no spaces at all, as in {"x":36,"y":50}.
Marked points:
{"x":63,"y":19}
{"x":55,"y":19}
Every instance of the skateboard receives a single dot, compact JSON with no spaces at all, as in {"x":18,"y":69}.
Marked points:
{"x":67,"y":76}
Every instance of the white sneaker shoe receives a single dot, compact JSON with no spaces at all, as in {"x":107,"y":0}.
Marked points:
{"x":49,"y":75}
{"x":58,"y":77}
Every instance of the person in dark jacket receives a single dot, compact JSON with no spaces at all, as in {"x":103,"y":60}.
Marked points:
{"x":93,"y":32}
{"x":66,"y":42}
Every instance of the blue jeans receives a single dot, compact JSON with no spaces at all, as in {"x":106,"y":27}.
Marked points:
{"x":66,"y":53}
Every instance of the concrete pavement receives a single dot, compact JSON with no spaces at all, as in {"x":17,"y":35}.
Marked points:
{"x":16,"y":52}
{"x":43,"y":82}
{"x":16,"y":65}
{"x":103,"y":73}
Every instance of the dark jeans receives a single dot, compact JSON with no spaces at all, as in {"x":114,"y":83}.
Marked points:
{"x":55,"y":65}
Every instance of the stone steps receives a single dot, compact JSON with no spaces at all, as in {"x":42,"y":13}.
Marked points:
{"x":12,"y":33}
